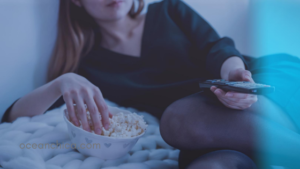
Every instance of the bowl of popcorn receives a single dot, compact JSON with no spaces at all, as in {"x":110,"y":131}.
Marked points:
{"x":125,"y":130}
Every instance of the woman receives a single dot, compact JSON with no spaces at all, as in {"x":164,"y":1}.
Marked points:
{"x":153,"y":62}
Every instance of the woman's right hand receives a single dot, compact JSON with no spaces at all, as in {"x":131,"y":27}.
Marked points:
{"x":78,"y":90}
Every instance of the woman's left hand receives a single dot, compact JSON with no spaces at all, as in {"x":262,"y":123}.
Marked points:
{"x":236,"y":100}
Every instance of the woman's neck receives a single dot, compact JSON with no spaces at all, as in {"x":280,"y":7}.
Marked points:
{"x":114,"y":32}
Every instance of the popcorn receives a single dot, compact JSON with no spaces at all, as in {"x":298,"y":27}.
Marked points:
{"x":125,"y":125}
{"x":122,"y":125}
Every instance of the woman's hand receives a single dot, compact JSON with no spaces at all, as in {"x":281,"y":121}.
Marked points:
{"x":78,"y":90}
{"x":232,"y":99}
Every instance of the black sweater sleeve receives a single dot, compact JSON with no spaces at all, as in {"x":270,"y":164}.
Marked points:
{"x":58,"y":103}
{"x":215,"y":49}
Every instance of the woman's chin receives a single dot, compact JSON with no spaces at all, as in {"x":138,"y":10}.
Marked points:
{"x":116,"y":16}
{"x":117,"y":13}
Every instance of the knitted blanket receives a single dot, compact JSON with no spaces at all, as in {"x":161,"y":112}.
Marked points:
{"x":23,"y":145}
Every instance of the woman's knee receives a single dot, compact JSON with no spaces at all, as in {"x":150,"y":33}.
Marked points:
{"x":177,"y":122}
{"x":170,"y":122}
{"x":223,"y":159}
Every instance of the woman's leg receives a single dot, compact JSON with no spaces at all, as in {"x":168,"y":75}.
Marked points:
{"x":219,"y":159}
{"x":200,"y":121}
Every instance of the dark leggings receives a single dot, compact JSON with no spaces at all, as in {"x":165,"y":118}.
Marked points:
{"x":203,"y":155}
{"x":210,"y":134}
{"x":267,"y":132}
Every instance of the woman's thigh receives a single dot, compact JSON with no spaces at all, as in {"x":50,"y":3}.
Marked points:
{"x":201,"y":121}
{"x":264,"y":108}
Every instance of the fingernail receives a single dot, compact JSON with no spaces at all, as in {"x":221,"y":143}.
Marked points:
{"x":106,"y":127}
{"x":229,"y":94}
{"x":98,"y":131}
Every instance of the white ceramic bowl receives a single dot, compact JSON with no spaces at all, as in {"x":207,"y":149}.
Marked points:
{"x":103,"y":147}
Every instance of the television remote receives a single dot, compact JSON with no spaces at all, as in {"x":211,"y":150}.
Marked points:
{"x":238,"y":86}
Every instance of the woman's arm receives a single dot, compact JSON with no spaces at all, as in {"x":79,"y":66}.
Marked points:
{"x":219,"y":55}
{"x":36,"y":102}
{"x":75,"y":89}
{"x":212,"y":50}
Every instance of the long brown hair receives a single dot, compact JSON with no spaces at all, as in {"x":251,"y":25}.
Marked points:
{"x":75,"y":37}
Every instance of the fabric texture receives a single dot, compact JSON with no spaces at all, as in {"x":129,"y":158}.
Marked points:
{"x":150,"y":152}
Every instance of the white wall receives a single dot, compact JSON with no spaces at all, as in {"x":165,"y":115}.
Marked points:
{"x":28,"y":30}
{"x":27,"y":34}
